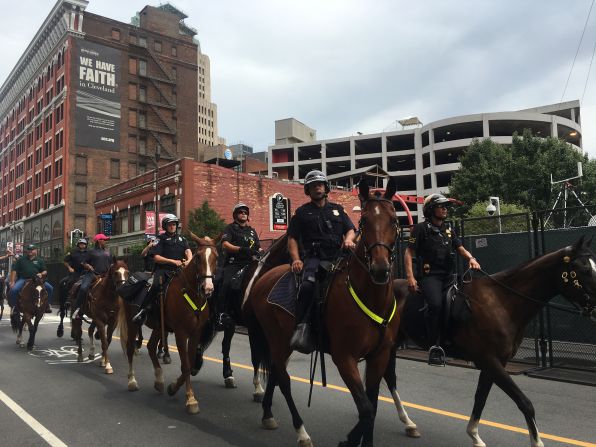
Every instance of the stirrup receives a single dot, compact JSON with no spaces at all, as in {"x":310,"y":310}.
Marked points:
{"x":139,"y":316}
{"x":436,"y":356}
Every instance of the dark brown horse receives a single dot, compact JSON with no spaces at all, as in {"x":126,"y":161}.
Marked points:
{"x":359,"y":320}
{"x":31,"y":305}
{"x":102,"y":304}
{"x":186,"y":313}
{"x":502,"y":305}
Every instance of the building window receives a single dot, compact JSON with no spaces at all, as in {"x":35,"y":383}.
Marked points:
{"x":58,"y":168}
{"x":142,"y":67}
{"x":114,"y":168}
{"x":143,"y":41}
{"x":132,"y":92}
{"x":142,"y":93}
{"x":135,"y":216}
{"x":57,"y":195}
{"x":174,"y":73}
{"x":142,"y":120}
{"x":132,"y":66}
{"x":81,"y":193}
{"x":47,"y":173}
{"x":132,"y":169}
{"x":157,"y":46}
{"x":142,"y":147}
{"x":47,"y":200}
{"x":27,"y":208}
{"x":37,"y":179}
{"x":29,"y":185}
{"x":38,"y":155}
{"x":81,"y":165}
{"x":36,"y":205}
{"x":47,"y":149}
{"x":132,"y":144}
{"x":132,"y":118}
{"x":132,"y":38}
{"x":115,"y":34}
{"x":174,"y":51}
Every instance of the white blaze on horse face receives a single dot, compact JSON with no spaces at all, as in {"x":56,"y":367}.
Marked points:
{"x":208,"y":281}
{"x":377,"y":210}
{"x":121,"y":274}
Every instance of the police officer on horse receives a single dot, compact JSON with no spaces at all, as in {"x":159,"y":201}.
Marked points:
{"x":240,"y":244}
{"x":97,"y":263}
{"x":170,"y":252}
{"x":74,"y":264}
{"x":434,"y":244}
{"x":317,"y":231}
{"x":26,"y":267}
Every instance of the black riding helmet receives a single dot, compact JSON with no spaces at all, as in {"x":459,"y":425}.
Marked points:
{"x":240,"y":206}
{"x":169,"y":218}
{"x":431,"y":202}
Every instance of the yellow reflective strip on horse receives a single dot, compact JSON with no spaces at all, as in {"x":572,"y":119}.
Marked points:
{"x":367,"y":311}
{"x":191,"y":302}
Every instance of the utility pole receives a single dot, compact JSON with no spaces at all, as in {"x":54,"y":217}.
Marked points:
{"x":156,"y":178}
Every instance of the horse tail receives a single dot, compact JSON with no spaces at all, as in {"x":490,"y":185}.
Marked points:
{"x":122,"y":321}
{"x":260,"y":352}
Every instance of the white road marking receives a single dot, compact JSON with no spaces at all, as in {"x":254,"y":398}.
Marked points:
{"x":46,"y":434}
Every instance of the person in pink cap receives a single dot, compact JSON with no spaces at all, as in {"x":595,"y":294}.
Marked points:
{"x":98,"y":263}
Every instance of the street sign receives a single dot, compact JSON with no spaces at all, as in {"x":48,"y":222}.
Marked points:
{"x":279,"y":210}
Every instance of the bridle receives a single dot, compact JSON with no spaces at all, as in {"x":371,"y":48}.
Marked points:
{"x":201,"y":278}
{"x":570,"y":279}
{"x":368,"y":248}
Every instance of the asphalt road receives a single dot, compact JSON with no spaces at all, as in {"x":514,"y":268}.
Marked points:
{"x":77,"y":404}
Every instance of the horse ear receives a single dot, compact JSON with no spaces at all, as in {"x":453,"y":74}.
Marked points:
{"x":194,"y":237}
{"x":391,"y":188}
{"x":580,"y":243}
{"x":363,"y":189}
{"x":588,"y":242}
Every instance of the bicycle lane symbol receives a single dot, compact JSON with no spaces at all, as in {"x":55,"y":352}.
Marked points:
{"x":62,"y":356}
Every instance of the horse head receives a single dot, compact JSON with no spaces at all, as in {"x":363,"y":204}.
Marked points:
{"x":205,"y":258}
{"x":379,"y":229}
{"x":579,"y":275}
{"x":118,"y":272}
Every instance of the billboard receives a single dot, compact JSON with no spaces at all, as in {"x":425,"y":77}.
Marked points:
{"x":98,"y":102}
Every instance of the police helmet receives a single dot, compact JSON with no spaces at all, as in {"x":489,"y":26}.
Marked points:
{"x":169,"y":218}
{"x":239,"y":206}
{"x":30,"y":247}
{"x":82,"y":241}
{"x":431,"y":201}
{"x":314,"y":177}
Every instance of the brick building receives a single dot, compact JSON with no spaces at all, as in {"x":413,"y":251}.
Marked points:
{"x":87,"y":105}
{"x":184,"y":185}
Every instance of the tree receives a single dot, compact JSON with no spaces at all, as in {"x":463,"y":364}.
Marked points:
{"x":514,"y":219}
{"x":205,"y":221}
{"x":519,"y":173}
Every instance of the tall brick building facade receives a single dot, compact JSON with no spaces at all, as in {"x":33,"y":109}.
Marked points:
{"x":88,"y":104}
{"x":185,"y":184}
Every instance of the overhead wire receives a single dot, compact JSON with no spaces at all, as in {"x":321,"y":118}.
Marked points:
{"x":588,"y":76}
{"x":577,"y":52}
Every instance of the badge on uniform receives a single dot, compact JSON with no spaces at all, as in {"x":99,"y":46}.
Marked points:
{"x":335,"y":212}
{"x":448,"y":232}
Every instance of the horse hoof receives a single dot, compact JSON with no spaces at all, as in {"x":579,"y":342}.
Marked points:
{"x":91,"y":357}
{"x":305,"y":443}
{"x":192,"y":408}
{"x":270,"y":424}
{"x":194,"y":372}
{"x":159,"y":386}
{"x":171,"y":389}
{"x":137,"y":352}
{"x":109,"y":370}
{"x":133,"y":386}
{"x":230,"y":382}
{"x":257,"y":397}
{"x":160,"y":355}
{"x":60,"y":332}
{"x":22,"y":345}
{"x":412,"y":432}
{"x":167,"y":359}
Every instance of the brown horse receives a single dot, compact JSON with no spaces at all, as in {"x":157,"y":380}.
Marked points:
{"x":103,"y":304}
{"x":186,"y":313}
{"x":31,"y":303}
{"x":360,"y":321}
{"x":502,"y":305}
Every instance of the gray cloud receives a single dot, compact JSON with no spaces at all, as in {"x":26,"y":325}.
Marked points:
{"x":347,"y":66}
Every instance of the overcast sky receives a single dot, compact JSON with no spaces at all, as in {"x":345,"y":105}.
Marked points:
{"x":347,"y":66}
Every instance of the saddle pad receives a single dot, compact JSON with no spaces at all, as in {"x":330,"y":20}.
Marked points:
{"x":284,"y":293}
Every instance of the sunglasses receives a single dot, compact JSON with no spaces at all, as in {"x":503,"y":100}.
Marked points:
{"x":242,"y":212}
{"x":441,"y":206}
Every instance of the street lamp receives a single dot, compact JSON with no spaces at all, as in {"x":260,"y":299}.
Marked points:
{"x":494,"y":206}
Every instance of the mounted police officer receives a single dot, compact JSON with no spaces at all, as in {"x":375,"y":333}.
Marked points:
{"x":240,"y":244}
{"x":26,"y":267}
{"x":171,"y":251}
{"x":434,"y":244}
{"x":320,"y":228}
{"x":97,"y":263}
{"x":74,"y":264}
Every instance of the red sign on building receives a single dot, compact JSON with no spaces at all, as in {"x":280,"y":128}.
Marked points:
{"x":150,"y":222}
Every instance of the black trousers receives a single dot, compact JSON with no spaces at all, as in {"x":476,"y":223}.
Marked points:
{"x":432,"y":287}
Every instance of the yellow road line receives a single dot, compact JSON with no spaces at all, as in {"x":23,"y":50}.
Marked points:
{"x":450,"y":414}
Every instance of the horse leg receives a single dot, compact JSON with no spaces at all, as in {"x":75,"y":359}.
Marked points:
{"x":138,"y":344}
{"x":32,"y":333}
{"x":20,"y":336}
{"x":391,"y":380}
{"x":76,"y":333}
{"x":158,"y":384}
{"x":166,"y":351}
{"x":101,"y":328}
{"x":90,"y":332}
{"x":268,"y":421}
{"x":62,"y":313}
{"x":229,"y":330}
{"x":503,"y":380}
{"x":485,"y":383}
{"x":184,"y":345}
{"x":348,"y":369}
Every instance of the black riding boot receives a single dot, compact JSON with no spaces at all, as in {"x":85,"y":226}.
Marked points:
{"x":145,"y":307}
{"x":302,"y":340}
{"x":436,"y":355}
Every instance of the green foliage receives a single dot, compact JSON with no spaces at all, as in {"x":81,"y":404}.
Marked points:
{"x":519,"y":173}
{"x":137,"y":248}
{"x":205,"y":221}
{"x":513,"y":219}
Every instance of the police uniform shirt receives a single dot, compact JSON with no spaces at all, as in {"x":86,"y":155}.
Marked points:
{"x":434,"y":245}
{"x":323,"y":225}
{"x":240,"y":236}
{"x":169,"y":246}
{"x":76,"y":258}
{"x":100,"y":260}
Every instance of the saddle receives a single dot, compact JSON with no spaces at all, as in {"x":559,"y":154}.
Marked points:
{"x":136,"y":287}
{"x":456,"y":310}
